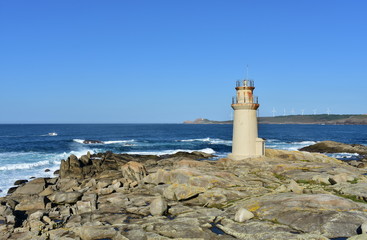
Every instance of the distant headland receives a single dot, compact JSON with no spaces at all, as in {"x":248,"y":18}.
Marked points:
{"x":332,"y":119}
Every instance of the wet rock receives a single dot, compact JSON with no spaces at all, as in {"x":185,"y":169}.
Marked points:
{"x":92,"y":142}
{"x":12,"y":190}
{"x":19,"y":182}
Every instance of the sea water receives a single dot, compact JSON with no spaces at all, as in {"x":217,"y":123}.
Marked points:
{"x":27,"y":150}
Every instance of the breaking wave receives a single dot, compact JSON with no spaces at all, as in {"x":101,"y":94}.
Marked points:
{"x":165,"y":152}
{"x":209,"y":140}
{"x":23,"y":165}
{"x":81,"y":141}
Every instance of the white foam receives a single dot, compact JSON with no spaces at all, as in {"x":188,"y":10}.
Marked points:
{"x":119,"y":141}
{"x":290,"y":146}
{"x":76,"y":153}
{"x":81,"y":141}
{"x":343,"y":155}
{"x":15,"y":154}
{"x":196,"y":140}
{"x":165,"y":152}
{"x":210,"y":140}
{"x":304,"y":143}
{"x":23,"y":165}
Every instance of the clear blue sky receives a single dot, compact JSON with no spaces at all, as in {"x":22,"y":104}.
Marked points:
{"x":168,"y":61}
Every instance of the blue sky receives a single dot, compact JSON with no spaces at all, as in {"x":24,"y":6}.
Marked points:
{"x":167,"y":61}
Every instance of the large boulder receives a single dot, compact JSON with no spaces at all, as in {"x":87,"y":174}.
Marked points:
{"x":33,"y":187}
{"x":31,"y":204}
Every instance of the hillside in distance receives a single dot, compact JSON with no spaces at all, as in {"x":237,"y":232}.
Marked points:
{"x":332,"y":119}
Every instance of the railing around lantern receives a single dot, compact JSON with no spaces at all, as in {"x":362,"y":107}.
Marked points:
{"x":243,"y":100}
{"x":245,"y":83}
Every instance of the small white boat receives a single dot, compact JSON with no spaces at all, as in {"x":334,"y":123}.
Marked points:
{"x":52,"y":134}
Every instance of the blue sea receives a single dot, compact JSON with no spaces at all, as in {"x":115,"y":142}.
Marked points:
{"x":27,"y":150}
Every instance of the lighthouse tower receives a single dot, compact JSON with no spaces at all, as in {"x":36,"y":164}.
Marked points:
{"x":245,"y":142}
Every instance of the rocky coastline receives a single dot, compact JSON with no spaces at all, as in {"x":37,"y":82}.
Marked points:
{"x":318,"y":119}
{"x":284,"y":195}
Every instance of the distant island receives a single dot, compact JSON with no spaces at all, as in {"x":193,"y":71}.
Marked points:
{"x":332,"y":119}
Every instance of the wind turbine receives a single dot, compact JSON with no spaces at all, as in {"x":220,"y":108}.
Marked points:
{"x":303,"y":111}
{"x":328,"y":111}
{"x":274,"y":111}
{"x":314,"y":111}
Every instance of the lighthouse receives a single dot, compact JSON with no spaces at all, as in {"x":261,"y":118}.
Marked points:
{"x":245,"y":142}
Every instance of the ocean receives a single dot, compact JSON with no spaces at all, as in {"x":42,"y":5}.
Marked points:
{"x":27,"y":150}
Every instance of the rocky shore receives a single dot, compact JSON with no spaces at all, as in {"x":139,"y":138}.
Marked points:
{"x":284,"y":195}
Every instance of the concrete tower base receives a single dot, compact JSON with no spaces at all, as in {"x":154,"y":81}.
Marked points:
{"x":260,"y":151}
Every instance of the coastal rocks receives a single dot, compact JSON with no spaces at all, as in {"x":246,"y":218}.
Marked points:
{"x":299,"y":156}
{"x":71,"y":168}
{"x":242,"y":215}
{"x":325,"y":214}
{"x":194,"y":177}
{"x":273,"y":197}
{"x":65,"y":197}
{"x":294,"y":187}
{"x":158,"y":206}
{"x":336,"y":147}
{"x":96,"y":232}
{"x":134,"y":171}
{"x":182,"y":191}
{"x":259,"y":230}
{"x":19,"y":182}
{"x":92,"y":142}
{"x":33,"y":187}
{"x":357,"y":191}
{"x":31,"y":203}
